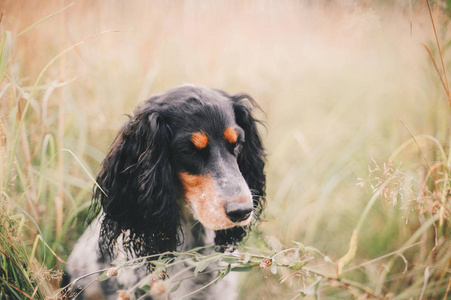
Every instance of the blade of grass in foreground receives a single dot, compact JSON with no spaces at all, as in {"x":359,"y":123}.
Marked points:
{"x":43,"y":20}
{"x":5,"y":51}
{"x":349,"y":256}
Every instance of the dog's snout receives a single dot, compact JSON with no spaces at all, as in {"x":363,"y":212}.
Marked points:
{"x":238,"y":211}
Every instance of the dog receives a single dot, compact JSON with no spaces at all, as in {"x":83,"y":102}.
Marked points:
{"x":185,"y":171}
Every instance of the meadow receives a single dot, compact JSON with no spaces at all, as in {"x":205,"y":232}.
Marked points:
{"x":356,"y":104}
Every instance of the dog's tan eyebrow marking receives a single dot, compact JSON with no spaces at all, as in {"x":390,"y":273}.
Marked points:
{"x":199,"y":139}
{"x":230,"y":135}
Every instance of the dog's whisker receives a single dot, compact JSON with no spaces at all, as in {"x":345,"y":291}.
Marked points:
{"x":198,"y":222}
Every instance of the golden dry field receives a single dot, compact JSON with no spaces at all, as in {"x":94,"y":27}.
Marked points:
{"x":357,"y":110}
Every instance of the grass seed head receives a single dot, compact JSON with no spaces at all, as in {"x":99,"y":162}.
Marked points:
{"x":111,"y":272}
{"x":156,"y":276}
{"x":157,"y":288}
{"x":265,"y":263}
{"x":123,"y":296}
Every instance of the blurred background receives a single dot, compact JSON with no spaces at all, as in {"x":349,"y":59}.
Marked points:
{"x":345,"y":86}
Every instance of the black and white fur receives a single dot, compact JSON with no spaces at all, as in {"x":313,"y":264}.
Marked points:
{"x":185,"y":171}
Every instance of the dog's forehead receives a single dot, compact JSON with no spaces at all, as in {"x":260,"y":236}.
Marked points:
{"x":210,"y":117}
{"x":199,"y":109}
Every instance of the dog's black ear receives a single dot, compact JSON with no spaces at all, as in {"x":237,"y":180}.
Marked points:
{"x":251,"y":162}
{"x":136,"y":188}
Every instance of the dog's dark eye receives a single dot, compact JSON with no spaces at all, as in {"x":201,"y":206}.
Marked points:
{"x":193,"y":151}
{"x":187,"y":151}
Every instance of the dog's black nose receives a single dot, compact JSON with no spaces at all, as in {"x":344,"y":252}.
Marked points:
{"x":238,"y":211}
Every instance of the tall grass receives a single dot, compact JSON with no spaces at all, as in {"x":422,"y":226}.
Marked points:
{"x":357,"y":135}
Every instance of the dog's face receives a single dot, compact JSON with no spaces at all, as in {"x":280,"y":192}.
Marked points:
{"x":190,"y":146}
{"x":206,"y":144}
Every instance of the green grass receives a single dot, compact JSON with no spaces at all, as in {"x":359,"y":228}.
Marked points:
{"x":357,"y":135}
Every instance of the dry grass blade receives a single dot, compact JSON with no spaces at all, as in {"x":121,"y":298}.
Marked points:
{"x":426,"y":278}
{"x":343,"y":261}
{"x":85,"y":169}
{"x":39,"y":238}
{"x":422,"y":155}
{"x":397,"y":252}
{"x":5,"y":50}
{"x":43,"y":20}
{"x":446,"y":87}
{"x":17,"y":289}
{"x":436,"y":69}
{"x":448,"y":288}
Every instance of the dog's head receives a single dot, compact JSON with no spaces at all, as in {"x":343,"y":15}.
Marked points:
{"x":190,"y":146}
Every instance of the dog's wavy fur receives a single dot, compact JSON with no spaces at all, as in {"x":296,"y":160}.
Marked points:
{"x":138,"y":202}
